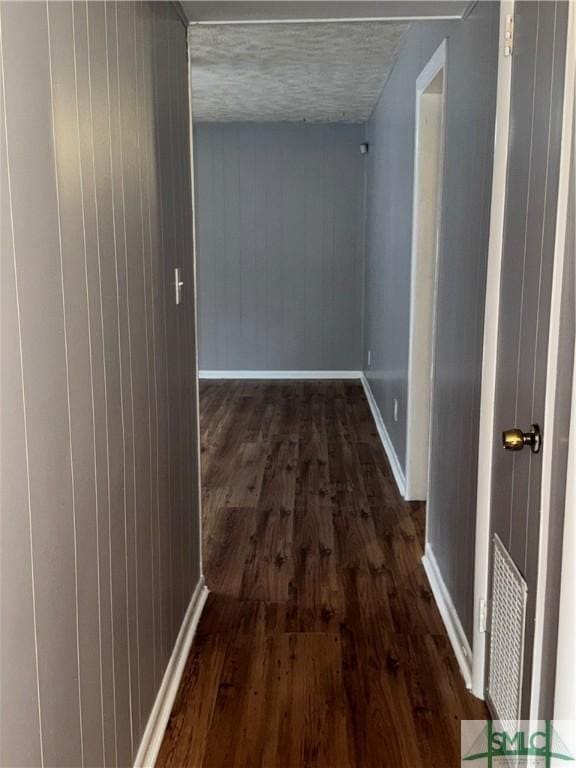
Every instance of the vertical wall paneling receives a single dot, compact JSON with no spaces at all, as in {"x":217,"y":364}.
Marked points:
{"x":126,"y":75}
{"x":463,"y":245}
{"x":118,"y":436}
{"x":178,"y":315}
{"x":21,"y":726}
{"x":98,"y":110}
{"x":127,"y":613}
{"x":463,"y":253}
{"x":146,"y":126}
{"x":161,"y":275}
{"x":280,"y":245}
{"x":145,"y":574}
{"x":170,"y":193}
{"x":44,"y":359}
{"x":100,"y":515}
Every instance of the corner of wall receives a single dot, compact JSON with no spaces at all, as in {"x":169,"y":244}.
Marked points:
{"x":387,"y":444}
{"x":364,"y":256}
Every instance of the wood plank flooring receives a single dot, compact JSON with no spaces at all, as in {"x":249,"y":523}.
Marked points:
{"x":320,"y":644}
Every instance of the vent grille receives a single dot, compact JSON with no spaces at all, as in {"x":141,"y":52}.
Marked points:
{"x":507,"y":628}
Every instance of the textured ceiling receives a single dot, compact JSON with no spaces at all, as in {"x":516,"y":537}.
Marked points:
{"x":322,"y":72}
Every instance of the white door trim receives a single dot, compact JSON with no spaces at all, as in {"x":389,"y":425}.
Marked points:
{"x":491,"y":318}
{"x":560,"y":256}
{"x":417,"y":465}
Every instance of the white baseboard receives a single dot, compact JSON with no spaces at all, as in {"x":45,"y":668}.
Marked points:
{"x":391,"y":454}
{"x":280,"y":374}
{"x":158,"y":720}
{"x":456,"y":634}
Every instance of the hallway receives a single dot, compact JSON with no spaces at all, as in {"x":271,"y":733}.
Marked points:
{"x":320,"y":644}
{"x":288,"y":379}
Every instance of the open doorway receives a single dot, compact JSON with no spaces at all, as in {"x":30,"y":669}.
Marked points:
{"x":310,"y":550}
{"x":428,"y":155}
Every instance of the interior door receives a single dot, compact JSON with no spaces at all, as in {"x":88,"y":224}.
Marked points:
{"x":527,"y":261}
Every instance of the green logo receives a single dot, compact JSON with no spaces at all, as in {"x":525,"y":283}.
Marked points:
{"x":528,"y":745}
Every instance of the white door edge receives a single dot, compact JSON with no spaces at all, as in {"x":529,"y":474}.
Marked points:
{"x":491,"y":317}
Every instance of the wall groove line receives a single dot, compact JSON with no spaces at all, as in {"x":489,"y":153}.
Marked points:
{"x":139,"y":69}
{"x":117,"y":262}
{"x":165,"y":337}
{"x":542,"y":254}
{"x":524,"y":257}
{"x":158,"y":583}
{"x":114,"y":242}
{"x":131,"y":388}
{"x":104,"y":366}
{"x":67,"y":397}
{"x":90,"y":357}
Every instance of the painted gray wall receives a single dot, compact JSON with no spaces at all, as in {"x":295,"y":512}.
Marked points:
{"x":99,"y":524}
{"x":390,"y":174}
{"x":471,"y":89}
{"x":280,"y":246}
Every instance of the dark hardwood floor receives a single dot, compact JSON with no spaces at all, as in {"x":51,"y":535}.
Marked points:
{"x":320,"y":644}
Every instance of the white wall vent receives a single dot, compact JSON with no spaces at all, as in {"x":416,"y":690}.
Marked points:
{"x":507,"y":628}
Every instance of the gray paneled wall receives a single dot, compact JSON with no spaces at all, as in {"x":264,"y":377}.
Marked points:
{"x":100,"y":540}
{"x":472,"y":56}
{"x":471,"y":89}
{"x":280,"y":246}
{"x":390,"y":181}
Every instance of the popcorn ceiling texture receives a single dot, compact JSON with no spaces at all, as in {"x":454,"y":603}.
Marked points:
{"x":291,"y":72}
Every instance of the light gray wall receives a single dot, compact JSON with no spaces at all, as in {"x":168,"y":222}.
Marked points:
{"x":280,"y":246}
{"x":471,"y":87}
{"x":99,"y":517}
{"x":390,"y":174}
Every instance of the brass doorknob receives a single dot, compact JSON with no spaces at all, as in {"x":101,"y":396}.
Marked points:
{"x":515,"y":439}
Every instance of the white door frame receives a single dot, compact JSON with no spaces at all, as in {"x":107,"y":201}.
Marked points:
{"x":487,"y":430}
{"x":490,"y":351}
{"x":419,"y":405}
